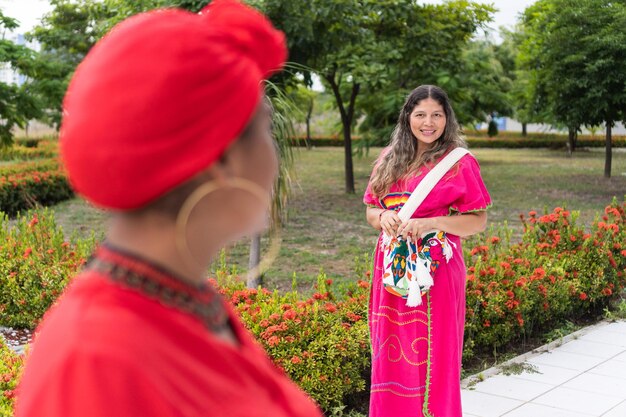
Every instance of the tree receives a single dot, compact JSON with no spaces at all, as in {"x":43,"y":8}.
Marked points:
{"x":18,"y":105}
{"x":435,"y":50}
{"x":71,"y":29}
{"x":485,"y":84}
{"x":577,"y":48}
{"x":66,"y":34}
{"x":369,"y":53}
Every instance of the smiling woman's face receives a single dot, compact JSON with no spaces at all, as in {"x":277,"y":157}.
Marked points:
{"x":427,"y":121}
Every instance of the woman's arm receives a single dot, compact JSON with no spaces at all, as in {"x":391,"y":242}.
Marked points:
{"x":461,"y":225}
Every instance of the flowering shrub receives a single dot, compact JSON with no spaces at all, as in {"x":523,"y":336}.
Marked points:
{"x":24,"y":185}
{"x":320,"y":342}
{"x":36,"y":263}
{"x":559,"y":271}
{"x":10,"y":371}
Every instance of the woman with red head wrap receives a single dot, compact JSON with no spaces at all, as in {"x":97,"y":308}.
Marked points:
{"x":164,"y":125}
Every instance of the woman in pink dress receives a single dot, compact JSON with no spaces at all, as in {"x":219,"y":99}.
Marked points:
{"x":416,"y":351}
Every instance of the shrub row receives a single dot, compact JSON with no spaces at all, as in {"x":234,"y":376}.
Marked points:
{"x":10,"y":370}
{"x":28,"y":150}
{"x":320,"y":342}
{"x":27,"y":185}
{"x":558,"y":271}
{"x":512,"y":141}
{"x":35,"y":264}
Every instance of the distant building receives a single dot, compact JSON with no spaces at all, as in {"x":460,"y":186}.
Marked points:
{"x":7,"y":74}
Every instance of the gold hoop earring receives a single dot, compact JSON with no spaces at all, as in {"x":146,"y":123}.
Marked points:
{"x":202,"y":192}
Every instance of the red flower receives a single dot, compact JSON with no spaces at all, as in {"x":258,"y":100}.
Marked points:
{"x":330,"y":307}
{"x":532,"y":213}
{"x":27,"y":253}
{"x":623,"y":253}
{"x":365,"y":284}
{"x":494,"y":240}
{"x":353,"y":317}
{"x":583,"y":296}
{"x":520,"y":320}
{"x":273,"y":341}
{"x":275,"y":317}
{"x":289,"y":315}
{"x":487,"y":323}
{"x":296,"y":360}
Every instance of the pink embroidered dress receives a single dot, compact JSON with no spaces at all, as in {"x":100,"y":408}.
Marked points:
{"x":416,"y":351}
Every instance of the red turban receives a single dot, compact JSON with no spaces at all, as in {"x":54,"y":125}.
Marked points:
{"x":160,"y":98}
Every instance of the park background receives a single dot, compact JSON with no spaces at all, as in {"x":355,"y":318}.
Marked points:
{"x":552,"y":260}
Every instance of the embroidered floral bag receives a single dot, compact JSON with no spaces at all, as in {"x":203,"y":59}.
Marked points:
{"x":408,"y":266}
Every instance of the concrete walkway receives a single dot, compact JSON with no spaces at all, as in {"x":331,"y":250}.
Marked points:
{"x":582,"y":375}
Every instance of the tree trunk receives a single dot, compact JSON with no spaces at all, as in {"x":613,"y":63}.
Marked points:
{"x":609,"y":150}
{"x":572,"y":134}
{"x":524,"y":129}
{"x":347,"y":146}
{"x":254,"y":280}
{"x":308,"y":125}
{"x":347,"y":115}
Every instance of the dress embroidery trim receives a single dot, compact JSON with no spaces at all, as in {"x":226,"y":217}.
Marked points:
{"x":202,"y":301}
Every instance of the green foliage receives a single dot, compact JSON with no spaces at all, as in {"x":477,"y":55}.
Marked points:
{"x":573,"y":53}
{"x":370,"y":53}
{"x":37,"y":263}
{"x":432,"y":46}
{"x":24,"y":151}
{"x":11,"y":366}
{"x":481,"y":86}
{"x":66,"y":34}
{"x":17,"y":103}
{"x":320,"y":342}
{"x":558,"y":272}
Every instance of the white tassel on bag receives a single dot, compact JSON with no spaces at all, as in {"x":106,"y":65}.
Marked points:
{"x":414,"y":297}
{"x":424,"y":279}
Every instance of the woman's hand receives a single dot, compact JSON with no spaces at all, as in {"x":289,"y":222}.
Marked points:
{"x":389,"y":222}
{"x":414,"y":228}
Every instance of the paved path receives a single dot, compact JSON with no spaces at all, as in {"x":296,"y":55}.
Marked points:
{"x":585,"y":375}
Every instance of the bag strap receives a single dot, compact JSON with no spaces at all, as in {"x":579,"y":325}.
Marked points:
{"x":428,"y":183}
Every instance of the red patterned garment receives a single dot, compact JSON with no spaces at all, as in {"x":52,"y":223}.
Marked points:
{"x":416,"y":351}
{"x":129,"y":339}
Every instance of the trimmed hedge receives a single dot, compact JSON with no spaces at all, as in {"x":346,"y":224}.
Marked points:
{"x":503,"y":140}
{"x":26,"y":185}
{"x":24,"y":150}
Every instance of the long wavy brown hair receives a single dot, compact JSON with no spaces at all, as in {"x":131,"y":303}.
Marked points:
{"x":402,"y":159}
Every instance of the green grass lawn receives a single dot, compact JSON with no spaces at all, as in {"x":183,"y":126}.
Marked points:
{"x":327,"y":230}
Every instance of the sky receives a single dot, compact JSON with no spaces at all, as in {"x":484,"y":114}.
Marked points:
{"x":28,"y":12}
